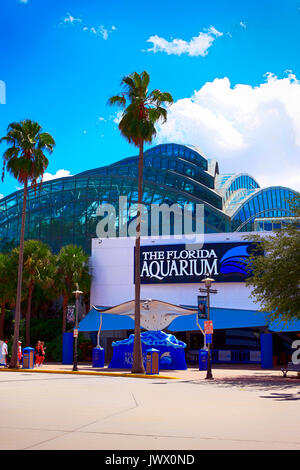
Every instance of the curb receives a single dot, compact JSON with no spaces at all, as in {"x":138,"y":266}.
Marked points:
{"x":109,"y":374}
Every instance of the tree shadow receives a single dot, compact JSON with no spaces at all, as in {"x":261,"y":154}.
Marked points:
{"x":264,"y":383}
{"x":283,"y":396}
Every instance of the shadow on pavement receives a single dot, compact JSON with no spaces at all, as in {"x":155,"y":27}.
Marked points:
{"x":265,"y":383}
{"x":283,"y":396}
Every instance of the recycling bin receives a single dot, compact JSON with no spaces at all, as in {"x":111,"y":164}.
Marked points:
{"x":98,"y":357}
{"x":203,"y":355}
{"x":28,"y":358}
{"x":152,"y":361}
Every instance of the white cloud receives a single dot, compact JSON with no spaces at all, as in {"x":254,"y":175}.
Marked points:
{"x":253,"y":129}
{"x":100,"y":31}
{"x":1,"y":196}
{"x":117,"y":117}
{"x":96,"y":31}
{"x":23,"y":1}
{"x":69,"y":19}
{"x":103,"y":32}
{"x":197,"y":46}
{"x":58,"y":174}
{"x":243,"y":25}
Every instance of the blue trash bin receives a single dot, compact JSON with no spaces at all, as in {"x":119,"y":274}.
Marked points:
{"x":98,"y":357}
{"x":28,"y":358}
{"x":203,"y":354}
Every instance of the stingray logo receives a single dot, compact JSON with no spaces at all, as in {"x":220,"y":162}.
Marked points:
{"x":235,"y":261}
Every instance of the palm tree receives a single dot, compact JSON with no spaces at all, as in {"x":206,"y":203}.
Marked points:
{"x":38,"y":270}
{"x":71,"y":268}
{"x":142,"y":110}
{"x":26,"y":161}
{"x":7,"y":287}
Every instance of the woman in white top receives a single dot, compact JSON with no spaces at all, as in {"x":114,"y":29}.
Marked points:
{"x":4,"y":353}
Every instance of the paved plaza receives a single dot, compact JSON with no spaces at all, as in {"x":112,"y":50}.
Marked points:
{"x":239,"y":409}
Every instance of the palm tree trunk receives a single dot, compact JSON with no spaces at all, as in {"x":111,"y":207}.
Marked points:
{"x":138,"y":364}
{"x":14,"y":356}
{"x":2,"y":320}
{"x":28,"y":313}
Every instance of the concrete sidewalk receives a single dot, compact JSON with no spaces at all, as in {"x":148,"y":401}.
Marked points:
{"x":242,"y":408}
{"x":221,"y":372}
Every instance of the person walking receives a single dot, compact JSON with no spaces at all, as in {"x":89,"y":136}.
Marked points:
{"x":42,"y":352}
{"x":1,"y":357}
{"x":5,"y":352}
{"x":20,"y":352}
{"x":37,"y":353}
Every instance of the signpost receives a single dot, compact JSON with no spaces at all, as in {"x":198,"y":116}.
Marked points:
{"x":77,"y":294}
{"x":208,"y":325}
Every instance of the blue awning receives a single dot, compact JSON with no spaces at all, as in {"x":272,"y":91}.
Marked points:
{"x":223,"y":318}
{"x":91,"y":322}
{"x":227,"y":318}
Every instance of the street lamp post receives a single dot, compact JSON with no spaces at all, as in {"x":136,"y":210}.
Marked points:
{"x":77,"y":294}
{"x":208,"y":282}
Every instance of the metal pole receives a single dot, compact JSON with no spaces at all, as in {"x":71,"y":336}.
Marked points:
{"x":209,"y":372}
{"x":199,"y":326}
{"x":208,"y":281}
{"x":98,"y":335}
{"x":77,"y":294}
{"x":76,"y":327}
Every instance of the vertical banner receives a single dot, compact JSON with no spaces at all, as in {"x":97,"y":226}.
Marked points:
{"x":202,"y":307}
{"x":71,"y":313}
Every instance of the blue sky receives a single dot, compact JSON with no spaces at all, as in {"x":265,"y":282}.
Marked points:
{"x":231,"y":66}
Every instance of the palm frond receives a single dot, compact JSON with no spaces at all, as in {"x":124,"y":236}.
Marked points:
{"x":117,"y":100}
{"x":46,"y":142}
{"x":25,"y":158}
{"x":144,"y":109}
{"x":128,"y":80}
{"x":158,"y":97}
{"x":137,"y":79}
{"x":145,"y":79}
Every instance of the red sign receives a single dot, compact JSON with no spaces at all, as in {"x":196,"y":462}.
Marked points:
{"x":208,"y":327}
{"x":75,"y":333}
